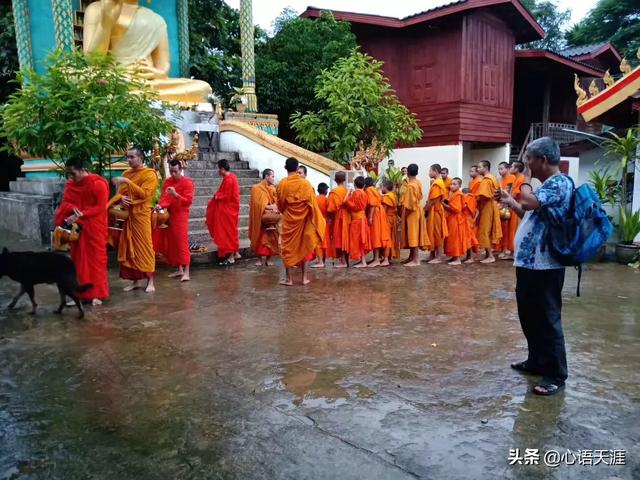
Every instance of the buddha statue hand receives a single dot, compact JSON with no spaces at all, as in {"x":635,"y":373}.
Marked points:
{"x":144,"y":69}
{"x":110,"y":10}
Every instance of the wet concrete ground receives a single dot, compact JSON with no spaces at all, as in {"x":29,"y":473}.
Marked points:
{"x":377,"y":374}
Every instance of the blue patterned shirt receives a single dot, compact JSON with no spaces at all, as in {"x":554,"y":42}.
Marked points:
{"x":554,"y":196}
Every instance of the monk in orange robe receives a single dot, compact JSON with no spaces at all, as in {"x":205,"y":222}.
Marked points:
{"x":136,"y":189}
{"x":506,"y":183}
{"x":444,"y":174}
{"x":359,"y":235}
{"x":516,"y":170}
{"x":173,"y":242}
{"x":390,"y":205}
{"x":325,"y":250}
{"x":476,"y":178}
{"x":339,"y":217}
{"x":470,"y":212}
{"x":303,"y":226}
{"x":413,"y":224}
{"x":264,"y":239}
{"x":379,"y":232}
{"x":223,"y":211}
{"x":489,"y":228}
{"x":436,"y":220}
{"x":84,"y":202}
{"x":458,"y":239}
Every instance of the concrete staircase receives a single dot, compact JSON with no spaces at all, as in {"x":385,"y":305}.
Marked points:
{"x":204,"y":173}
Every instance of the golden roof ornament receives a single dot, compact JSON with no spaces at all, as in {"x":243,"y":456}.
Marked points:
{"x":189,"y":154}
{"x":608,"y":79}
{"x":593,"y":88}
{"x":582,"y":95}
{"x":625,"y":68}
{"x":368,"y":158}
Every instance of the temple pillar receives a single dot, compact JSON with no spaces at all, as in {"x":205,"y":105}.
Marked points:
{"x":248,"y":55}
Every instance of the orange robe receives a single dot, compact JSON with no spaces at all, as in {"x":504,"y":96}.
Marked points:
{"x":413,"y":224}
{"x":173,"y":242}
{"x":380,"y":235}
{"x":514,"y":221}
{"x":474,"y":185}
{"x":135,"y":247}
{"x":263,"y":242}
{"x":359,"y":240}
{"x":89,"y":252}
{"x":223,"y":211}
{"x":325,"y":250}
{"x":489,"y":228}
{"x":390,"y":205}
{"x":447,"y":183}
{"x":456,"y":243}
{"x":339,"y":219}
{"x":470,"y":209}
{"x":303,"y":226}
{"x":436,"y":219}
{"x":506,"y":183}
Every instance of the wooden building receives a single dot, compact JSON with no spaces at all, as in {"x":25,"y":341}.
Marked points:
{"x":477,"y":95}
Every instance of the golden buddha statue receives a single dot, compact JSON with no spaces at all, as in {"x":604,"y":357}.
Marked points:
{"x":137,"y":38}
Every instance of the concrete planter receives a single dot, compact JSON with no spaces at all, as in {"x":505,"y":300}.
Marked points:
{"x":627,"y":253}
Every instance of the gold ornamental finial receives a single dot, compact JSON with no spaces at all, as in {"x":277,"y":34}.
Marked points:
{"x":608,"y":79}
{"x":593,"y":89}
{"x":582,"y":95}
{"x":625,"y":68}
{"x":189,"y":154}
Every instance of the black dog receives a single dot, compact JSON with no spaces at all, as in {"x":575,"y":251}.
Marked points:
{"x":32,"y":268}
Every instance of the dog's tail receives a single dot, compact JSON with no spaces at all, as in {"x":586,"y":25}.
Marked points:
{"x":82,"y":288}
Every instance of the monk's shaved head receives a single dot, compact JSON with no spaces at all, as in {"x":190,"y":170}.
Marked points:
{"x":291,"y":164}
{"x":368,"y":182}
{"x":340,"y":177}
{"x":412,"y":170}
{"x":436,"y":168}
{"x":359,"y":182}
{"x":323,"y":188}
{"x":267,"y":172}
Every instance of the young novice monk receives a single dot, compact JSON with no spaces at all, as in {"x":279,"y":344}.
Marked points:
{"x":470,"y":210}
{"x":436,"y":220}
{"x":356,"y":203}
{"x":390,"y":205}
{"x":324,"y":250}
{"x":379,"y":234}
{"x":455,"y":245}
{"x":507,"y":180}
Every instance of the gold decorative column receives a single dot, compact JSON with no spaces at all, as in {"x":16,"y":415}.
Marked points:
{"x":248,"y":55}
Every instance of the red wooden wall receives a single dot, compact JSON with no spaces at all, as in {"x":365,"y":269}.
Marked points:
{"x":457,"y":77}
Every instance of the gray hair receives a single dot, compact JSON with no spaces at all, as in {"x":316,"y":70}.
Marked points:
{"x":545,"y":147}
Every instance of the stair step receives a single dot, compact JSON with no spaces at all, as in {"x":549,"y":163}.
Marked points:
{"x":36,"y":187}
{"x":200,"y":211}
{"x":211,"y":165}
{"x":215,"y":156}
{"x":213,"y":173}
{"x":203,"y":200}
{"x":210,"y":190}
{"x":197,"y":223}
{"x":216,"y":181}
{"x":202,"y":235}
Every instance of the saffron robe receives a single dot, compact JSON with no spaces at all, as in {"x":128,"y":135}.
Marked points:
{"x":359,"y":240}
{"x":506,"y":183}
{"x":303,"y":226}
{"x":135,"y":248}
{"x":447,"y":183}
{"x":173,"y":242}
{"x":339,"y":219}
{"x":326,"y":249}
{"x":264,"y":242}
{"x":89,"y":253}
{"x":474,"y":185}
{"x":436,"y":219}
{"x":379,"y":232}
{"x":514,"y":221}
{"x":390,"y":205}
{"x":413,"y":223}
{"x":223,"y":211}
{"x":489,"y":228}
{"x":470,"y":209}
{"x":456,"y":242}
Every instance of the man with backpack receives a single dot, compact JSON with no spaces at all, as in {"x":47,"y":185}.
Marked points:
{"x":539,"y":275}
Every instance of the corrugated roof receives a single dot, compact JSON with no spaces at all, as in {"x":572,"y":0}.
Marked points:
{"x":581,"y":50}
{"x":439,"y":7}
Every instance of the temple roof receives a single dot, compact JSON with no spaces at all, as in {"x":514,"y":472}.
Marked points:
{"x":581,"y":68}
{"x":582,"y":49}
{"x":520,"y":20}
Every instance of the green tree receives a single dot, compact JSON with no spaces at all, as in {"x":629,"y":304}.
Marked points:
{"x":553,"y":20}
{"x":288,"y":64}
{"x":214,"y":42}
{"x":8,"y":52}
{"x":82,"y":106}
{"x":358,"y":105}
{"x":615,"y":21}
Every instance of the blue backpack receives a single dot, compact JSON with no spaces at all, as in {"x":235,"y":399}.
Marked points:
{"x":580,"y":235}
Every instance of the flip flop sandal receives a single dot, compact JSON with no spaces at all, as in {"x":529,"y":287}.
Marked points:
{"x":226,"y":263}
{"x":549,"y":389}
{"x":524,"y":368}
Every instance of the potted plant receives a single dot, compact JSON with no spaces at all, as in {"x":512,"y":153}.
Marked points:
{"x":628,"y":229}
{"x":239,"y":99}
